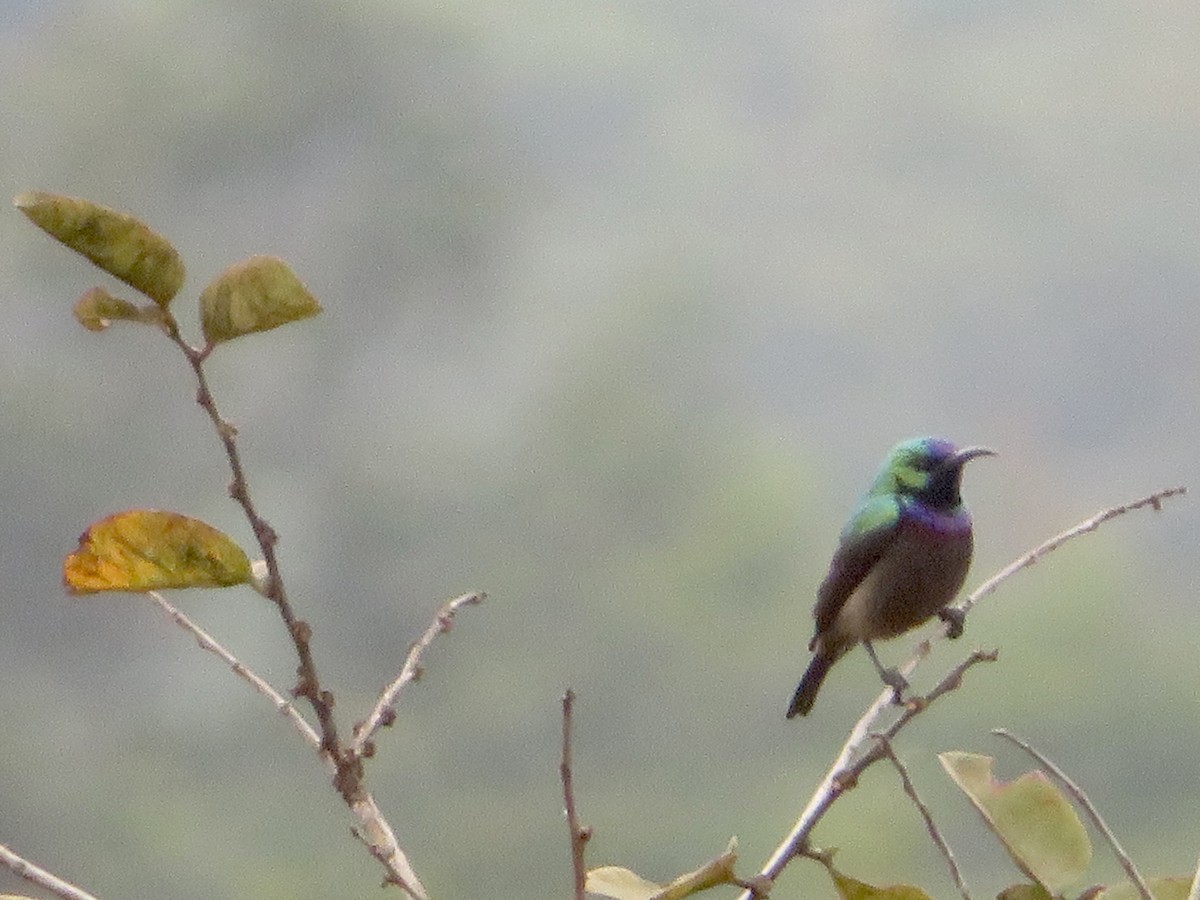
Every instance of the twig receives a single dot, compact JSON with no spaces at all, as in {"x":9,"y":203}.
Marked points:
{"x":1094,"y":814}
{"x":1154,"y":500}
{"x":931,"y":826}
{"x":383,"y":713}
{"x":579,"y":833}
{"x":844,"y":774}
{"x":39,"y":876}
{"x":258,"y":683}
{"x":377,"y":834}
{"x":1194,"y":893}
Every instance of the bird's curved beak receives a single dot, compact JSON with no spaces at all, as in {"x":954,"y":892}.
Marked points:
{"x":966,"y":454}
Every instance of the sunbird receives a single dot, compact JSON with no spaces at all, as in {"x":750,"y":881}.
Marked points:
{"x":900,"y":560}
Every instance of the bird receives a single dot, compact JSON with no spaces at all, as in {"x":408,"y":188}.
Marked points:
{"x":900,"y":560}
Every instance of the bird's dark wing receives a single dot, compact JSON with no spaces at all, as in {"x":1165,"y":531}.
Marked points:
{"x":864,"y":540}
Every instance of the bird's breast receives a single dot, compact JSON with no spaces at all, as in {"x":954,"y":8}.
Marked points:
{"x":919,"y":574}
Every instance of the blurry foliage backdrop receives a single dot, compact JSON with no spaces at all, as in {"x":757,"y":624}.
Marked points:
{"x":624,"y":304}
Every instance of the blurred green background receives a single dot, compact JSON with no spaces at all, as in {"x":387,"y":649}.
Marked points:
{"x":625,"y":302}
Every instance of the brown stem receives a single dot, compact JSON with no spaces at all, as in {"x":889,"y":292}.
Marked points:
{"x":579,"y":834}
{"x":308,"y":683}
{"x":930,"y":826}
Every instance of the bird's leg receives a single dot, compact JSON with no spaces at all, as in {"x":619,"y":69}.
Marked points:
{"x":891,"y":677}
{"x":954,"y":619}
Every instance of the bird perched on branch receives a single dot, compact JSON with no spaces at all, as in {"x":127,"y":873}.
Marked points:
{"x":901,"y":559}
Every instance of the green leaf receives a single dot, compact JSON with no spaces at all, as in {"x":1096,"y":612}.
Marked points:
{"x":1024,"y":892}
{"x":716,"y":871}
{"x":852,"y":889}
{"x":96,"y":309}
{"x":149,"y":549}
{"x":115,"y":241}
{"x":1034,"y":821}
{"x":1161,"y":888}
{"x":257,"y":294}
{"x":622,"y":884}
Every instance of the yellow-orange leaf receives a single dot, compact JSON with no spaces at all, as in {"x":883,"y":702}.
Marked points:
{"x":149,"y":549}
{"x":115,"y":241}
{"x":256,"y":294}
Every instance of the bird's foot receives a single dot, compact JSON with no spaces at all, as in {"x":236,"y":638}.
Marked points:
{"x":897,"y":682}
{"x":891,"y":677}
{"x":954,"y":619}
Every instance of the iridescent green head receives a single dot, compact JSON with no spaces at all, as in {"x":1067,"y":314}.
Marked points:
{"x":927,"y":469}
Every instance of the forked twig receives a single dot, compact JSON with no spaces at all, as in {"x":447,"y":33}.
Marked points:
{"x":845,"y":771}
{"x":1082,"y":799}
{"x":372,"y":828}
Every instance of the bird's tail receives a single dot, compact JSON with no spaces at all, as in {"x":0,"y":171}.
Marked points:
{"x":806,"y":693}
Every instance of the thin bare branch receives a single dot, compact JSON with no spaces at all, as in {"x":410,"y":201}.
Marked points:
{"x":1154,"y":501}
{"x":579,"y":833}
{"x":39,"y":876}
{"x":846,"y":769}
{"x":377,"y":834}
{"x":383,"y":713}
{"x":209,"y":644}
{"x":1094,"y":814}
{"x":931,"y":826}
